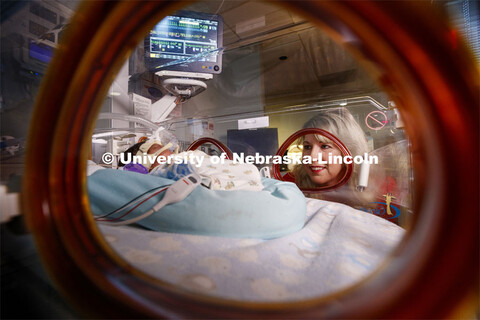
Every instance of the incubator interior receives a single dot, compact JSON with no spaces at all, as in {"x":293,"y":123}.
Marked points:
{"x":276,"y":75}
{"x":257,"y":103}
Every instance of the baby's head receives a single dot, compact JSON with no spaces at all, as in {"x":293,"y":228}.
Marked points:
{"x":151,"y":147}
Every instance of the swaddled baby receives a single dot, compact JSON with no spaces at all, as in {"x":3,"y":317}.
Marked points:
{"x":217,"y":173}
{"x":259,"y":208}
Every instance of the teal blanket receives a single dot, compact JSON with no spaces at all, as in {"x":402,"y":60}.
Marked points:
{"x":279,"y":209}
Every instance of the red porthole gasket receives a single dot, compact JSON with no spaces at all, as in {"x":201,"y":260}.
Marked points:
{"x":300,"y":133}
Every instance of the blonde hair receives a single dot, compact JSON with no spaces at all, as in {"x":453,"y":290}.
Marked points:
{"x":341,"y":124}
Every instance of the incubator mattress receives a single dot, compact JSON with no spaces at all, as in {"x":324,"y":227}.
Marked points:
{"x":337,"y":247}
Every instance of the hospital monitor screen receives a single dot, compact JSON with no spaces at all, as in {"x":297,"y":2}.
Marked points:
{"x":186,"y":41}
{"x":40,"y":52}
{"x":263,"y":141}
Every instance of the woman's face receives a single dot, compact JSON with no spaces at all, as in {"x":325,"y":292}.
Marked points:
{"x":322,"y":174}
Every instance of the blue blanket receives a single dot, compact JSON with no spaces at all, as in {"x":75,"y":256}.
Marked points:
{"x":279,"y":209}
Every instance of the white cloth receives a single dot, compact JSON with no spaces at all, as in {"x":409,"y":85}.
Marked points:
{"x":143,"y":150}
{"x":217,"y":173}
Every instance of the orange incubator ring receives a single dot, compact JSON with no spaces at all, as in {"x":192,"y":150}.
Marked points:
{"x":434,"y":272}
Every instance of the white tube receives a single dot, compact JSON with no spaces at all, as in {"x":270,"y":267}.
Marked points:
{"x":130,"y":118}
{"x":363,"y":176}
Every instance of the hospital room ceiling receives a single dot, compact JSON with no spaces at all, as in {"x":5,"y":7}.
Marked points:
{"x":245,"y":21}
{"x":297,"y":62}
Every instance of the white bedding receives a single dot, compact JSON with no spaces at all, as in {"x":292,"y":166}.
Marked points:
{"x":337,"y":247}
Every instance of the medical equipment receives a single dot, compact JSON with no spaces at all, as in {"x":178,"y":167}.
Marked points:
{"x":175,"y":193}
{"x":181,"y":49}
{"x":265,"y":172}
{"x":186,"y":41}
{"x":162,"y":108}
{"x":263,"y":141}
{"x":363,"y":176}
{"x":137,"y":202}
{"x":180,"y":86}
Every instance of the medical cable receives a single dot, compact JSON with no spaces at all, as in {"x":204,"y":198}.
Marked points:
{"x":175,"y":193}
{"x":132,"y":202}
{"x":128,"y":212}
